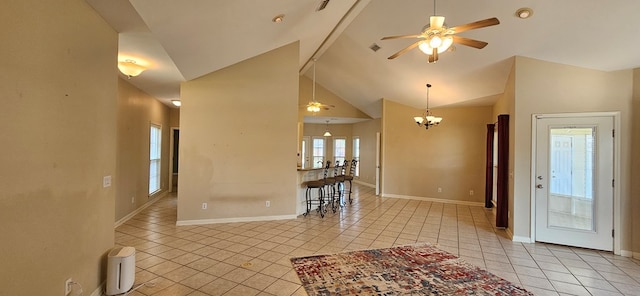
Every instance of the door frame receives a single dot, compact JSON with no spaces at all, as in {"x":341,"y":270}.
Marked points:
{"x":378,"y":189}
{"x":616,"y":168}
{"x":171,"y":155}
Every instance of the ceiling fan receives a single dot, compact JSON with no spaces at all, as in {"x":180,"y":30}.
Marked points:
{"x":436,"y":38}
{"x":315,"y":106}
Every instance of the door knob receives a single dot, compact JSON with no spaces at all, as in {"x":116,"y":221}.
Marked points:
{"x":539,"y":186}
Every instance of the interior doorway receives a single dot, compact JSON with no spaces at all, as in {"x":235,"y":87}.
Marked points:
{"x":173,"y":164}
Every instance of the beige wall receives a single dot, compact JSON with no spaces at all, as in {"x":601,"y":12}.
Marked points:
{"x":136,"y":111}
{"x":238,"y":140}
{"x":367,"y":130}
{"x":58,"y":124}
{"x":544,"y":87}
{"x":174,"y":117}
{"x":416,"y":162}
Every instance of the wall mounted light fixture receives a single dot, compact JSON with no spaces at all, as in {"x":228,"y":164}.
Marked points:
{"x":130,"y":68}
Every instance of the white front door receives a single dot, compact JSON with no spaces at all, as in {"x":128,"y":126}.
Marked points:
{"x":574,"y":181}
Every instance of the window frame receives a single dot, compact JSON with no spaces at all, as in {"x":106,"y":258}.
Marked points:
{"x":155,"y":158}
{"x":314,"y":162}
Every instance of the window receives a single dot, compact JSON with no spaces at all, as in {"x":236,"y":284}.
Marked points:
{"x":356,"y":154}
{"x":155,"y":141}
{"x":339,"y":149}
{"x":318,"y":152}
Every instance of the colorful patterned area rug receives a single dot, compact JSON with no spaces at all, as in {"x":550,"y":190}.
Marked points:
{"x":403,"y":270}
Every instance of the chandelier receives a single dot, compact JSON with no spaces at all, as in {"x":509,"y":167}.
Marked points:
{"x":427,"y":120}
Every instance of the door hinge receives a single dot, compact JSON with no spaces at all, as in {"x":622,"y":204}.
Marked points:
{"x":613,"y":182}
{"x":613,"y":133}
{"x":613,"y":232}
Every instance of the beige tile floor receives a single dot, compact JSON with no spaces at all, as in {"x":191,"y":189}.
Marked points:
{"x":253,"y":258}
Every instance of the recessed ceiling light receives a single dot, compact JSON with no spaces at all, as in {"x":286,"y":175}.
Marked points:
{"x":278,"y":18}
{"x":176,"y":103}
{"x":524,"y":12}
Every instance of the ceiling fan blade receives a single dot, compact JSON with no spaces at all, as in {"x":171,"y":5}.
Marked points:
{"x":469,"y":42}
{"x":401,"y":36}
{"x":476,"y":25}
{"x":408,"y":48}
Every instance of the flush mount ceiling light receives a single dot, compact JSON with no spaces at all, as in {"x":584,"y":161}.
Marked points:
{"x":176,"y":103}
{"x":427,"y":120}
{"x":436,"y":38}
{"x":278,"y":18}
{"x":524,"y":12}
{"x":130,"y":68}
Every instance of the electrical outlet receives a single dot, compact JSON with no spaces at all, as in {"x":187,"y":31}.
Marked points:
{"x":470,"y":192}
{"x":204,"y":205}
{"x":267,"y":204}
{"x":106,"y":181}
{"x":67,"y":286}
{"x":439,"y":189}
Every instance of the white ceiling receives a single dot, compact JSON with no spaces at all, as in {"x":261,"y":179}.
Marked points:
{"x":182,"y":40}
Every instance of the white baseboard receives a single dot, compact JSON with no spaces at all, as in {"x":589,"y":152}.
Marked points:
{"x":232,"y":220}
{"x":627,"y":253}
{"x":364,"y":184}
{"x":140,"y":209}
{"x":447,"y":201}
{"x":521,"y":239}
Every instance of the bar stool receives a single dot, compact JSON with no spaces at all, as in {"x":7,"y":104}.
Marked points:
{"x":319,"y":185}
{"x":340,"y":177}
{"x":329,"y":183}
{"x":349,"y":177}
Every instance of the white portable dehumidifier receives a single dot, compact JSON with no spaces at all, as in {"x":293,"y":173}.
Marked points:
{"x":121,"y":270}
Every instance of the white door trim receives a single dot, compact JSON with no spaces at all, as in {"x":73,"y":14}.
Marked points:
{"x":616,"y":170}
{"x":378,"y":164}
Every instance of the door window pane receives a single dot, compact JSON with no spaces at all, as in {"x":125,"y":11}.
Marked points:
{"x":356,"y":154}
{"x":318,"y":152}
{"x":339,"y":149}
{"x":572,"y":153}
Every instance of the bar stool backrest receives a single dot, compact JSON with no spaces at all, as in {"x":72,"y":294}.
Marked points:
{"x":343,"y":168}
{"x":336,"y":169}
{"x":352,"y":169}
{"x":326,"y":169}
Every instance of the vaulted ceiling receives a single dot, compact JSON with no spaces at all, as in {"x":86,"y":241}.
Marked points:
{"x":182,"y":40}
